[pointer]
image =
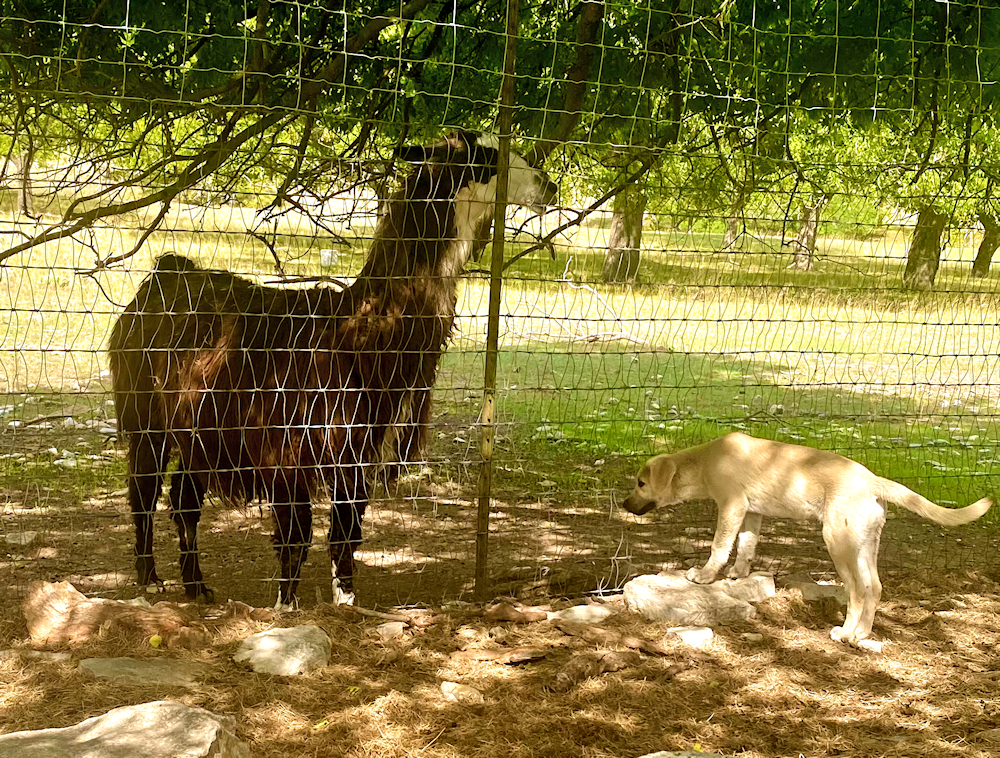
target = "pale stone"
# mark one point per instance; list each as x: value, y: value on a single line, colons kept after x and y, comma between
x: 461, y: 693
x: 583, y: 614
x: 167, y: 671
x: 670, y: 597
x: 695, y: 636
x: 20, y: 540
x: 756, y: 587
x: 286, y: 652
x: 812, y: 591
x: 390, y: 630
x: 752, y: 637
x: 161, y: 729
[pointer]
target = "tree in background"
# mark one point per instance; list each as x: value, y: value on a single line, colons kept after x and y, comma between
x: 144, y: 106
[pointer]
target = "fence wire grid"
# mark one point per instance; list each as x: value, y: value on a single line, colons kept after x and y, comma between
x: 772, y: 219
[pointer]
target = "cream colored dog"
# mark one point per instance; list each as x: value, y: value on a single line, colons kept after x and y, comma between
x: 749, y: 478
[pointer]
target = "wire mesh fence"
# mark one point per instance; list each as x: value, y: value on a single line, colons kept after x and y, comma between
x: 767, y: 222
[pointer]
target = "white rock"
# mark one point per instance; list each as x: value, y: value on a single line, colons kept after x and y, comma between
x: 593, y: 613
x: 157, y: 670
x: 21, y: 539
x: 462, y: 693
x: 752, y: 637
x: 812, y: 591
x: 695, y: 636
x: 390, y: 630
x: 286, y: 652
x: 161, y: 729
x: 672, y: 598
x: 756, y: 587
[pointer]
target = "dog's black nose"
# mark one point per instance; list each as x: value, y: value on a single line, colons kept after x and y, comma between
x: 638, y: 507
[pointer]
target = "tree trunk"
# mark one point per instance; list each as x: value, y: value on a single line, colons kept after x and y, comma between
x: 924, y: 255
x: 21, y: 170
x: 735, y: 223
x: 804, y: 244
x: 989, y: 245
x: 621, y: 263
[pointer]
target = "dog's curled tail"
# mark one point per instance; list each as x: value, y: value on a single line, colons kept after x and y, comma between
x: 894, y: 492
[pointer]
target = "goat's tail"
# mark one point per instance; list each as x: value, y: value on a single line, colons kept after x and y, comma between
x: 894, y: 492
x: 175, y: 262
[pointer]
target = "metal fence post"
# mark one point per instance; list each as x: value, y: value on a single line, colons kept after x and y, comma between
x: 487, y: 417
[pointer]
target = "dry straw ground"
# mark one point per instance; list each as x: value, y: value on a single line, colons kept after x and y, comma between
x: 932, y: 691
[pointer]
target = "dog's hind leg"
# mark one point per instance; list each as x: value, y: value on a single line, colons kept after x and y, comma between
x: 746, y: 546
x: 854, y: 550
x: 730, y: 520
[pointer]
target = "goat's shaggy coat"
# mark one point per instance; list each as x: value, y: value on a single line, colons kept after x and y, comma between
x: 289, y: 394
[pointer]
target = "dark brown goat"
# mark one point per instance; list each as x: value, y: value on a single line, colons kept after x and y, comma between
x: 289, y: 394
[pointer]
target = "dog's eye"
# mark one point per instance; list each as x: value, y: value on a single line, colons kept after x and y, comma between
x: 641, y: 484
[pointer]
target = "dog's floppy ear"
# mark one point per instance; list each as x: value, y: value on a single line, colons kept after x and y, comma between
x: 661, y: 473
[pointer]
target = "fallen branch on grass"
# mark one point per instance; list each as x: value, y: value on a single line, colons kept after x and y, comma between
x: 513, y: 611
x: 509, y: 656
x: 417, y: 618
x: 608, y: 638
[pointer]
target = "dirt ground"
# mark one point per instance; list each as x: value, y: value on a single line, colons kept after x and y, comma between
x: 933, y: 691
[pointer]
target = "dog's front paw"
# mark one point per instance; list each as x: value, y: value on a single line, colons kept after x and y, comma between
x: 839, y: 634
x: 700, y: 576
x: 738, y: 571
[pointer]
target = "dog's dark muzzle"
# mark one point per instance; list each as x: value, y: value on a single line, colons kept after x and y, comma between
x: 634, y: 505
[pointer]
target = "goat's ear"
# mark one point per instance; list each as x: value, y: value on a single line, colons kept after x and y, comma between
x: 413, y: 153
x: 421, y: 154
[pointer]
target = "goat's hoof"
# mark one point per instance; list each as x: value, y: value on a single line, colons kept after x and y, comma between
x: 280, y: 606
x: 342, y: 596
x: 198, y: 592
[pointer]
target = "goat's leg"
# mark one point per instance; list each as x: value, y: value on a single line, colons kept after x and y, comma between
x: 346, y: 512
x: 186, y: 497
x: 147, y: 458
x: 292, y: 537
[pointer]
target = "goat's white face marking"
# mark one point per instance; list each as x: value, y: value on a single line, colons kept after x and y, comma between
x: 525, y: 186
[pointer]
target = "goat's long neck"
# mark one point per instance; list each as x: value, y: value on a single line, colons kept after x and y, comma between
x: 420, y: 249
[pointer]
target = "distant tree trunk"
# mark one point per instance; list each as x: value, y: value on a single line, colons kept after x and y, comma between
x: 735, y: 222
x: 924, y: 255
x: 989, y: 245
x: 21, y: 166
x: 804, y: 244
x: 621, y: 263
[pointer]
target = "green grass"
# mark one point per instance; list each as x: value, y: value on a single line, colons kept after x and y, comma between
x: 840, y: 357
